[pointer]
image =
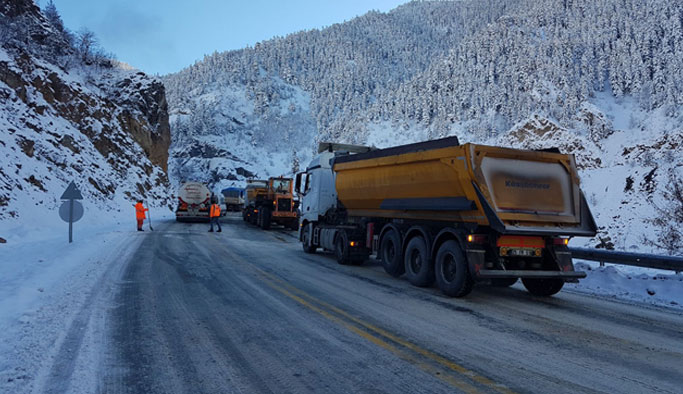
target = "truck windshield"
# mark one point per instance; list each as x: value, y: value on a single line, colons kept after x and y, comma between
x: 281, y: 185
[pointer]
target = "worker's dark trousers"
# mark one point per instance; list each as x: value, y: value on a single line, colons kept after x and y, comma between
x: 215, y: 220
x: 140, y: 223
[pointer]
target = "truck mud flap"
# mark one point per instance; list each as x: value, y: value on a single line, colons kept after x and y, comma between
x: 563, y: 258
x: 475, y: 261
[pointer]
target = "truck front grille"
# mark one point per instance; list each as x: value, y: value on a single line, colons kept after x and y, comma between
x: 284, y: 204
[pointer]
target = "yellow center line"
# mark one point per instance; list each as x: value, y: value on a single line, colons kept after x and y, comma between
x: 417, y: 349
x: 465, y: 387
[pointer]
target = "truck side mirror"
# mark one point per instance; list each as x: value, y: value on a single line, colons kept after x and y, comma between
x: 297, y: 184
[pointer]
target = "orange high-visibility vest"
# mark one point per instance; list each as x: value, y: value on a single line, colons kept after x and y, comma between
x: 140, y: 211
x: 215, y: 211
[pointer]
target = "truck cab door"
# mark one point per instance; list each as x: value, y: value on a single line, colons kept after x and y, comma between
x: 310, y: 191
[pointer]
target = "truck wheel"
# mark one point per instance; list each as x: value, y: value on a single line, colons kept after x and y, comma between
x: 390, y: 253
x: 419, y: 268
x: 543, y: 286
x: 265, y: 221
x: 305, y: 239
x: 451, y: 271
x: 341, y: 249
x: 503, y: 282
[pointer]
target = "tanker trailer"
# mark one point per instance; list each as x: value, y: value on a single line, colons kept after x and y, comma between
x: 193, y: 202
x: 442, y: 212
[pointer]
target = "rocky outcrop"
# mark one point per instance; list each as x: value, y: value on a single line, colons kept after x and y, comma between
x: 98, y: 123
x: 146, y: 115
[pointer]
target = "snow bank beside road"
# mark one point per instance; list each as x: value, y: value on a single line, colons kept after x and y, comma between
x: 46, y: 284
x: 642, y: 285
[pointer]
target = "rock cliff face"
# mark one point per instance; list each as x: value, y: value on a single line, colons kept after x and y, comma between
x: 101, y: 124
x: 145, y: 115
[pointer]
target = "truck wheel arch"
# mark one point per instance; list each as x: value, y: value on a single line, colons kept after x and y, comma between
x: 386, y: 229
x: 418, y: 231
x: 444, y: 235
x: 301, y: 232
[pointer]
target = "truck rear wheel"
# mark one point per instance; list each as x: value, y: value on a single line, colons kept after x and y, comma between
x: 451, y: 271
x: 306, y: 240
x: 390, y: 253
x: 419, y: 268
x: 543, y: 286
x: 341, y: 249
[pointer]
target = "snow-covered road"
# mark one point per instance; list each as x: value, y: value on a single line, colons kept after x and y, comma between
x: 181, y: 310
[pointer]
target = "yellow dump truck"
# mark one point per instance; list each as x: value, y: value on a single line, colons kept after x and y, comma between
x: 269, y: 202
x: 445, y: 212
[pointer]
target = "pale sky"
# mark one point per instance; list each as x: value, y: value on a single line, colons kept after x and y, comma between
x: 160, y: 37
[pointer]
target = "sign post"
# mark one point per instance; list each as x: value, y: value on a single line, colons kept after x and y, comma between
x: 71, y: 211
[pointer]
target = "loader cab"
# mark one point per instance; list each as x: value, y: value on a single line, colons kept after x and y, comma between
x: 316, y: 188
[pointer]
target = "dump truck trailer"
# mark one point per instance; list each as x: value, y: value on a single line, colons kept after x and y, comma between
x: 193, y: 202
x: 445, y: 212
x: 271, y: 202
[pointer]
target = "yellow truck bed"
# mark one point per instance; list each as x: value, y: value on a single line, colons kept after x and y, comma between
x: 510, y: 190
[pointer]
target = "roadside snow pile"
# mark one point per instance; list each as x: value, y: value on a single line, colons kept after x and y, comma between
x: 662, y: 288
x: 50, y: 289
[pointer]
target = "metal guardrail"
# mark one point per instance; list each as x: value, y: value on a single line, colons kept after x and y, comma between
x: 634, y: 259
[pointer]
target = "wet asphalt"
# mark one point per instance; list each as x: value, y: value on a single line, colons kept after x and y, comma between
x: 247, y: 311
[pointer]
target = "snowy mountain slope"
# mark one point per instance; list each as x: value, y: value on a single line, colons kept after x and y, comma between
x: 547, y: 58
x: 220, y: 136
x: 99, y: 124
x: 282, y: 95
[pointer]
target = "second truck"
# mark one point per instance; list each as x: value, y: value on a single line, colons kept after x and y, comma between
x: 271, y: 201
x: 193, y: 202
x: 450, y: 213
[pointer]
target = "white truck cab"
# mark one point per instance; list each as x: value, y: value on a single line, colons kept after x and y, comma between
x: 316, y: 185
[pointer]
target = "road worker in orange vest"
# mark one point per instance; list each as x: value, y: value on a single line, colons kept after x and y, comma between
x: 140, y: 214
x: 215, y: 214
